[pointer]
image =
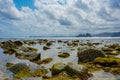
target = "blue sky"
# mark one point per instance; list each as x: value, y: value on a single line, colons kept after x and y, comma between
x: 58, y: 17
x: 20, y: 3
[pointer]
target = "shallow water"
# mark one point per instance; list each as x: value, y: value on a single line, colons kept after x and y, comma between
x: 54, y: 51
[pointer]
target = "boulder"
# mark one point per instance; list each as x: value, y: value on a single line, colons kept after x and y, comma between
x: 28, y: 53
x: 11, y: 45
x: 8, y: 45
x: 78, y: 70
x: 18, y: 67
x: 27, y: 49
x: 18, y: 43
x: 29, y: 56
x: 75, y: 68
x: 89, y: 55
x: 57, y: 68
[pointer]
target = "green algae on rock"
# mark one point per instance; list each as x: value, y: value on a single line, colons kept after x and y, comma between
x: 108, y: 62
x: 18, y: 67
x: 47, y: 60
x: 57, y: 68
x: 9, y: 51
x: 26, y: 73
x: 64, y: 55
x: 9, y: 64
x: 63, y: 76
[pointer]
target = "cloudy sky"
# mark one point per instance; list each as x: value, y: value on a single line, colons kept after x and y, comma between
x: 58, y: 17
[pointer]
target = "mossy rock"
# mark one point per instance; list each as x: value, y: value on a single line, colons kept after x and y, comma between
x: 64, y: 55
x: 45, y: 48
x: 18, y: 67
x: 24, y: 73
x: 63, y: 76
x: 57, y: 68
x: 27, y: 49
x: 108, y: 62
x: 9, y: 51
x: 39, y: 72
x: 29, y: 56
x: 47, y: 60
x: 106, y: 49
x: 113, y: 46
x: 18, y: 43
x: 89, y: 55
x: 9, y: 64
x: 8, y: 45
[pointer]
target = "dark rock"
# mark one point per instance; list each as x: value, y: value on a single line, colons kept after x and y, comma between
x: 8, y: 45
x: 89, y: 55
x: 9, y: 51
x: 29, y: 56
x: 45, y: 48
x: 48, y: 43
x: 18, y: 43
x: 18, y: 67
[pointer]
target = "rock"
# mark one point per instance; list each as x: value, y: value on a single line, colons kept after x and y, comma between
x: 63, y: 76
x: 9, y: 64
x: 18, y: 67
x: 47, y: 60
x: 57, y: 68
x: 18, y: 43
x: 89, y: 55
x: 28, y: 53
x: 29, y: 42
x: 78, y: 70
x: 27, y: 49
x: 39, y: 72
x: 48, y: 43
x: 8, y: 45
x: 113, y: 46
x: 108, y: 62
x: 4, y: 76
x: 11, y: 45
x: 9, y: 51
x: 28, y: 75
x: 29, y: 56
x: 45, y: 48
x: 75, y: 68
x: 64, y: 55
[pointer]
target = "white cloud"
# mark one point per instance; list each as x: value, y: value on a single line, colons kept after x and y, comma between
x: 63, y: 17
x: 8, y: 10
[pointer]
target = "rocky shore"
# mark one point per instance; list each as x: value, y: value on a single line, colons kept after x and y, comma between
x: 94, y: 60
